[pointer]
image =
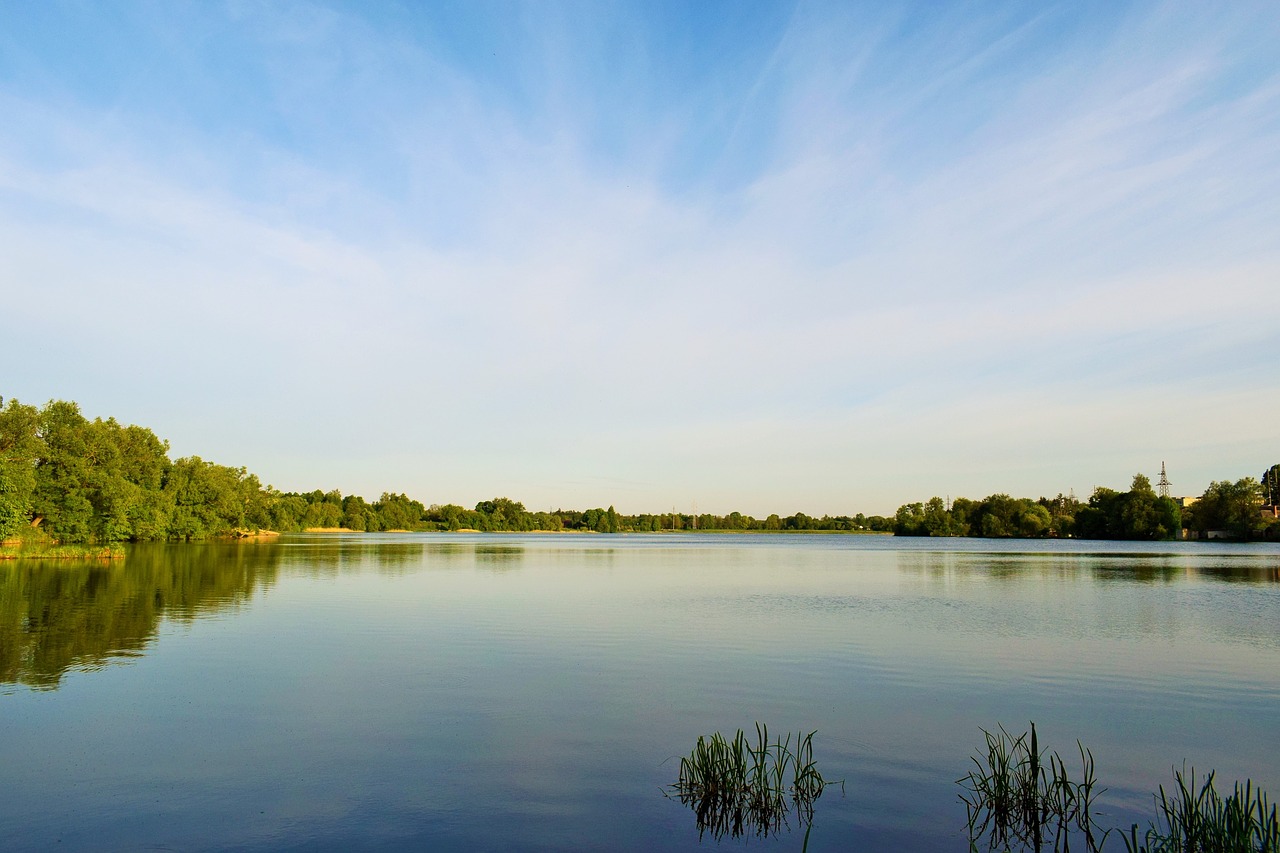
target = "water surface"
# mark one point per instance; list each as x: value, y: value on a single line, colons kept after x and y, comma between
x: 496, y: 692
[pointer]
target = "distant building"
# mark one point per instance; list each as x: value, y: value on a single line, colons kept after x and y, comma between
x: 1205, y: 534
x: 1186, y: 501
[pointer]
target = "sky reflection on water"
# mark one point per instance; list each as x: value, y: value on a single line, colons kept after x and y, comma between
x: 500, y: 692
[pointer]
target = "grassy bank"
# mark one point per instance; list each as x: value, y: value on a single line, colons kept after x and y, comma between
x: 26, y: 550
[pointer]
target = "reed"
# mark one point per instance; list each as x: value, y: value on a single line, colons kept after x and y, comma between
x: 1191, y: 819
x: 736, y: 788
x: 1019, y: 795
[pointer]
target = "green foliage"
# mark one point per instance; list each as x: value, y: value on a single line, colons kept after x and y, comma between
x: 1014, y: 796
x: 82, y: 481
x: 398, y: 512
x: 736, y: 789
x: 15, y: 501
x: 85, y: 481
x: 1234, y: 508
x: 358, y: 515
x: 1191, y: 820
x: 997, y: 516
x: 1270, y: 483
x: 20, y: 447
x: 1135, y: 514
x: 208, y: 499
x: 1015, y: 799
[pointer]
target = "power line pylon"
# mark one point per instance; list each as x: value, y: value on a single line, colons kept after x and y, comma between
x: 1164, y: 483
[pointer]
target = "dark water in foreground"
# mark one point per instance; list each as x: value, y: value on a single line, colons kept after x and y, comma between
x: 535, y: 692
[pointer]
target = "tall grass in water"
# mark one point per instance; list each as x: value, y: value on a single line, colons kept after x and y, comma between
x: 736, y: 788
x: 1191, y: 820
x: 1020, y: 795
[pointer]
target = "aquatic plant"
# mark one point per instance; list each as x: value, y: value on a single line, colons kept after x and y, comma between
x: 736, y: 788
x: 1191, y: 820
x: 1014, y: 796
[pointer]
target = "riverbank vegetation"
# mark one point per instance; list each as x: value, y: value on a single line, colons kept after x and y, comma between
x: 66, y: 480
x: 1228, y: 510
x: 32, y: 544
x: 736, y: 789
x: 1017, y: 796
x: 1022, y: 797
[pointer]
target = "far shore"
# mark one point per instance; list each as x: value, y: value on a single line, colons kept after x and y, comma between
x: 573, y: 532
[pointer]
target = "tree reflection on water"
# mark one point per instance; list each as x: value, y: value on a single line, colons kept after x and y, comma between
x: 58, y: 616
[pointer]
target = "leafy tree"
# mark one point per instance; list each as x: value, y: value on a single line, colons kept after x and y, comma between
x: 358, y: 515
x: 909, y: 520
x: 14, y: 503
x: 931, y: 518
x: 398, y: 512
x: 1270, y: 482
x: 1135, y: 514
x: 998, y: 516
x: 1062, y: 514
x: 61, y: 497
x: 20, y: 447
x: 1033, y: 520
x: 322, y: 514
x: 208, y: 499
x: 447, y: 517
x: 1231, y: 507
x: 283, y: 511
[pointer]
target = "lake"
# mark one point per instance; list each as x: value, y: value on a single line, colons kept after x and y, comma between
x: 524, y: 692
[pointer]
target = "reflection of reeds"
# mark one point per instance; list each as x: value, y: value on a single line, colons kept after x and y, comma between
x: 1201, y: 821
x: 1015, y: 796
x: 735, y: 788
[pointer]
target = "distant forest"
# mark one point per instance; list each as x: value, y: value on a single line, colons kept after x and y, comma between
x: 1240, y: 510
x: 77, y: 480
x: 74, y: 480
x: 1135, y: 514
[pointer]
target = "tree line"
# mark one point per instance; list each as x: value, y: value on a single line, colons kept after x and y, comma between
x: 70, y: 479
x: 1232, y: 509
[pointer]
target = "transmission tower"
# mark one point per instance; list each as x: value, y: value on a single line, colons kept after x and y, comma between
x: 1164, y: 483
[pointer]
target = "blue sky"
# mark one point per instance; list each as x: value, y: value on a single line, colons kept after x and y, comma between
x: 757, y: 256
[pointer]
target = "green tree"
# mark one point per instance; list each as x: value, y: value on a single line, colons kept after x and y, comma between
x: 909, y: 520
x: 358, y: 515
x: 998, y: 516
x: 1231, y: 507
x: 15, y: 503
x: 61, y: 498
x: 284, y: 511
x: 20, y: 448
x: 1033, y: 520
x: 208, y: 499
x: 399, y: 512
x: 1270, y: 482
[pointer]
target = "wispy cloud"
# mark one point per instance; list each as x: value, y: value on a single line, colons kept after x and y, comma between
x: 852, y: 261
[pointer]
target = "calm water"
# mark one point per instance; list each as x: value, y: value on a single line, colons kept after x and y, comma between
x: 535, y: 692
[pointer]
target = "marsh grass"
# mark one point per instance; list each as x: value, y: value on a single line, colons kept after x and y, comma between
x: 737, y: 788
x: 1201, y: 820
x: 1019, y: 795
x: 53, y: 551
